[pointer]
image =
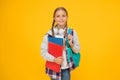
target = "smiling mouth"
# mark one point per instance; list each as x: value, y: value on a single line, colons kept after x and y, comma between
x: 61, y: 21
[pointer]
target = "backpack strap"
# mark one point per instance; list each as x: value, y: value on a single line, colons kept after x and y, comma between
x: 69, y: 31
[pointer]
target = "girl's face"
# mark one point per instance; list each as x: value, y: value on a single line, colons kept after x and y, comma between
x: 60, y: 18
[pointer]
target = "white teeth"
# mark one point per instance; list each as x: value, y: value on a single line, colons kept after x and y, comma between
x: 61, y: 21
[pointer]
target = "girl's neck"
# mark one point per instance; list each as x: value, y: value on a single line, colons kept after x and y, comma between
x: 60, y: 26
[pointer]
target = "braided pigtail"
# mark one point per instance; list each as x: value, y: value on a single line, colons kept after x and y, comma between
x: 53, y: 27
x: 65, y: 33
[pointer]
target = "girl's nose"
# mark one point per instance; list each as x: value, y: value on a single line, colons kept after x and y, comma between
x: 61, y: 17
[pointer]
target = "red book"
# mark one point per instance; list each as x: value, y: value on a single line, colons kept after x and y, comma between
x: 55, y: 48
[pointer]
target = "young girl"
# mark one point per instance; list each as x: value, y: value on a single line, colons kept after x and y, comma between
x: 59, y: 29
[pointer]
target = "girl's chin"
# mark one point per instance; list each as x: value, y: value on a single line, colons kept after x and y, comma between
x: 62, y: 24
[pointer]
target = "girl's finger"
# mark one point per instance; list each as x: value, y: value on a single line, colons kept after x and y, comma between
x: 60, y: 57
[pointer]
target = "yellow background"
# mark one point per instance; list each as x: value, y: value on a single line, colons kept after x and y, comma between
x: 23, y: 24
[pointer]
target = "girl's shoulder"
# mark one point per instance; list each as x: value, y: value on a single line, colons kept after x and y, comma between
x: 49, y: 32
x: 74, y: 32
x: 71, y: 29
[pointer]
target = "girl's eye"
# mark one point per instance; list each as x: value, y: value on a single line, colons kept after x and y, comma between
x: 58, y: 16
x: 63, y: 15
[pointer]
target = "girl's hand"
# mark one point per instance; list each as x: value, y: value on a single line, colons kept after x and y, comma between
x: 70, y: 39
x: 58, y: 60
